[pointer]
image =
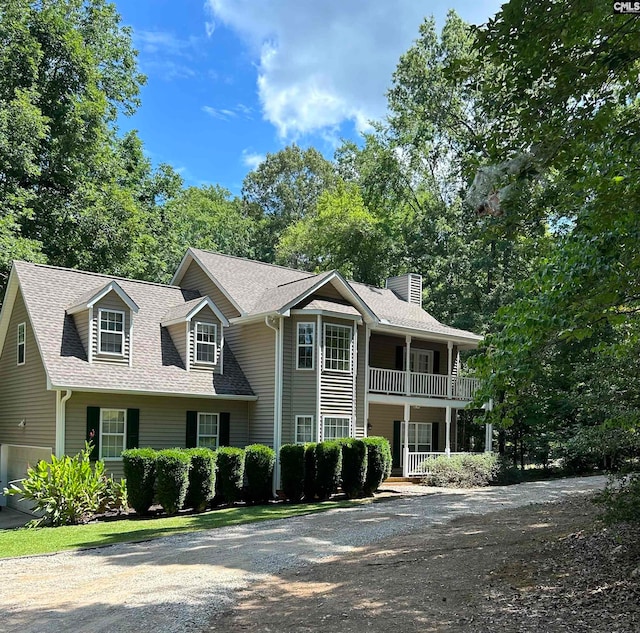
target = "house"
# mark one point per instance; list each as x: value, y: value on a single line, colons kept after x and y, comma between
x: 232, y: 352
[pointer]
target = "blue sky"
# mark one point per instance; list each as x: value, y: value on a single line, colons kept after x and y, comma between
x: 230, y: 80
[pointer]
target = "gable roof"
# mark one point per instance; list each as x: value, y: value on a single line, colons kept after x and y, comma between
x: 256, y: 287
x: 157, y: 365
x: 90, y: 298
x: 187, y: 310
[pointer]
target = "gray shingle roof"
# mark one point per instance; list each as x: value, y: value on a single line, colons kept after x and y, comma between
x: 259, y: 287
x: 330, y: 306
x: 181, y: 311
x: 157, y: 366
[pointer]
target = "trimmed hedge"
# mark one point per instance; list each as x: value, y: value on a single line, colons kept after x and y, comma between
x: 354, y: 467
x: 378, y: 463
x: 292, y: 471
x: 202, y: 478
x: 140, y: 473
x: 329, y: 467
x: 230, y: 474
x: 259, y: 461
x: 310, y: 471
x: 172, y: 478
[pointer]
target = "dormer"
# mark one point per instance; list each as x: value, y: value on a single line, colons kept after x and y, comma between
x: 104, y: 320
x: 196, y: 328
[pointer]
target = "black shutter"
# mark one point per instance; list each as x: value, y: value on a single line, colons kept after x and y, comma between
x: 400, y: 357
x: 192, y: 429
x: 93, y: 431
x: 435, y: 434
x: 396, y: 445
x: 436, y: 362
x: 133, y: 427
x: 225, y: 419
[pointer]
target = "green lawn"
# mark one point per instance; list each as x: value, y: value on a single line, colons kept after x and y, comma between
x: 25, y: 542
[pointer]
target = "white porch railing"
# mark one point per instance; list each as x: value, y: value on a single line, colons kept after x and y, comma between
x: 418, y: 463
x: 393, y: 382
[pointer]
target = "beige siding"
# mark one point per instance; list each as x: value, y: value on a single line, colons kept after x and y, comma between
x: 196, y: 279
x: 112, y: 302
x: 361, y: 382
x: 299, y: 386
x: 328, y: 291
x: 337, y: 389
x: 23, y: 389
x: 81, y: 320
x: 254, y: 348
x: 162, y: 419
x: 206, y: 315
x: 178, y: 333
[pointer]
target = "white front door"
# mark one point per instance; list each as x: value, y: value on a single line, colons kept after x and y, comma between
x: 421, y: 361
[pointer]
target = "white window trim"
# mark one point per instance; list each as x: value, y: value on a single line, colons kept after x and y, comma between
x: 312, y: 345
x: 417, y: 351
x: 336, y: 417
x: 217, y: 435
x: 313, y: 429
x: 413, y: 445
x: 215, y: 344
x: 21, y: 326
x: 124, y: 434
x: 324, y: 348
x: 124, y: 322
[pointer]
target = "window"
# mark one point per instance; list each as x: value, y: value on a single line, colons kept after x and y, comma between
x: 22, y: 343
x: 208, y: 430
x: 337, y: 347
x: 113, y: 424
x: 306, y: 344
x: 335, y: 428
x: 420, y: 434
x: 421, y: 361
x: 111, y: 332
x: 206, y: 348
x: 305, y: 429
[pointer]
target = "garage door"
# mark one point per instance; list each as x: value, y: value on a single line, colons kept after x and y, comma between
x: 18, y: 459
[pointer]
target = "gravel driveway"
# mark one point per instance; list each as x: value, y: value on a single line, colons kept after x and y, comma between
x: 176, y: 583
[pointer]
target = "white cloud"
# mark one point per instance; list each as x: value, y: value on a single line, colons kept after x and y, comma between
x: 225, y: 114
x: 251, y: 159
x: 209, y: 28
x: 321, y: 63
x: 165, y: 55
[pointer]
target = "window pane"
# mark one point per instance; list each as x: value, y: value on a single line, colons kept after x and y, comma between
x: 305, y: 345
x: 113, y: 431
x: 336, y: 428
x: 205, y: 334
x: 208, y: 430
x: 111, y: 343
x: 304, y: 429
x: 337, y: 343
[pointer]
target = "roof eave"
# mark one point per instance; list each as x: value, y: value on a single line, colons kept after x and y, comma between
x: 471, y: 341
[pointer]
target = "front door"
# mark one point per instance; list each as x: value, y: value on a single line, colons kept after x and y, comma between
x: 420, y: 438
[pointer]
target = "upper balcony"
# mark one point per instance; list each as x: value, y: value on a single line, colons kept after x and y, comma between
x: 394, y: 382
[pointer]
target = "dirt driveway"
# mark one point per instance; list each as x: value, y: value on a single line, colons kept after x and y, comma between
x: 184, y: 583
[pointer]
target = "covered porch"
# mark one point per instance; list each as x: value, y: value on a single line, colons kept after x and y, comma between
x: 419, y: 433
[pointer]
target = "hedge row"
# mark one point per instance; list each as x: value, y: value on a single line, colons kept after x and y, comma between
x: 197, y: 477
x: 316, y: 471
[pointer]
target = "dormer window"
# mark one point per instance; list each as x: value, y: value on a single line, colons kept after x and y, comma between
x: 111, y: 332
x: 205, y: 347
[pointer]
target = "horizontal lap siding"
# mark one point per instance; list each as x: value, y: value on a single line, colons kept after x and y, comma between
x: 196, y: 279
x: 111, y: 302
x: 253, y: 346
x: 299, y: 386
x: 178, y: 334
x: 81, y: 320
x: 162, y: 419
x: 23, y: 389
x: 205, y: 315
x: 361, y: 382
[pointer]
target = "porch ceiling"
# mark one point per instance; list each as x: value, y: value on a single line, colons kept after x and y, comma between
x: 415, y: 401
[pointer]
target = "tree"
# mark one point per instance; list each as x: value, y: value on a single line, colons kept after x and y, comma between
x: 283, y: 189
x: 67, y: 68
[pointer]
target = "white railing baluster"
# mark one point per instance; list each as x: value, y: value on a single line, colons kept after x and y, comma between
x: 393, y: 382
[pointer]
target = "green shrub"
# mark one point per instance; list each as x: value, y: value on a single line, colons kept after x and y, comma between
x: 462, y: 471
x: 202, y: 478
x: 354, y: 467
x: 621, y: 499
x: 172, y: 478
x: 581, y: 453
x: 607, y: 447
x: 378, y: 462
x: 310, y: 471
x: 140, y: 473
x: 329, y: 467
x: 292, y: 471
x: 506, y: 473
x: 116, y: 496
x: 259, y: 461
x: 66, y: 491
x: 230, y: 474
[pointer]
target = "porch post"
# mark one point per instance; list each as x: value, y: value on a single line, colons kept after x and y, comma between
x: 407, y: 367
x: 488, y: 432
x: 449, y: 369
x: 405, y: 450
x: 447, y: 434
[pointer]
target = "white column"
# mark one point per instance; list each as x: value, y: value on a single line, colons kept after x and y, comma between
x: 405, y: 451
x: 407, y: 365
x: 449, y: 369
x: 447, y: 432
x: 488, y: 431
x: 4, y: 456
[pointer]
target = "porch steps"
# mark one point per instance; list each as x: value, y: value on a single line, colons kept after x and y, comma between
x: 402, y: 480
